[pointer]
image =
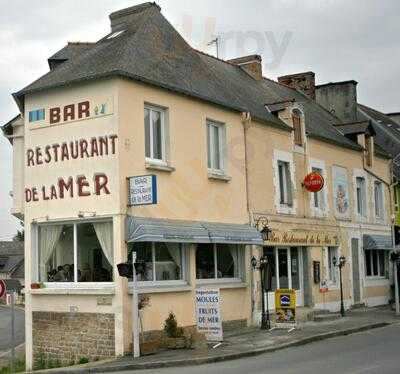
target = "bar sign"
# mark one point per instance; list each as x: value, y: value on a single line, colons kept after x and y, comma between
x: 142, y: 190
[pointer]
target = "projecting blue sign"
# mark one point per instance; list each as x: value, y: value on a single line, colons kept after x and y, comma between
x: 143, y: 190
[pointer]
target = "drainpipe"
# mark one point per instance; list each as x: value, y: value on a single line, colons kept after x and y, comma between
x: 246, y: 120
x: 392, y: 220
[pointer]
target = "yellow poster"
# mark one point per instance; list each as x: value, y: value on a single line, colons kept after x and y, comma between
x: 285, y: 306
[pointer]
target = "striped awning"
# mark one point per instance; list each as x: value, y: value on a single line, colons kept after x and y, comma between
x: 144, y: 229
x: 378, y: 242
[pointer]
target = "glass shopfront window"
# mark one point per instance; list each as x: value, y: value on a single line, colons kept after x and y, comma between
x: 158, y: 262
x: 77, y: 252
x: 217, y: 261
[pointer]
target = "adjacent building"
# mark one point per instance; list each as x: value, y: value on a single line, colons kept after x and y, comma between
x: 229, y: 149
x: 12, y: 261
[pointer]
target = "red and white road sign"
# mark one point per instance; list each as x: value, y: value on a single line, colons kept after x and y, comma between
x: 2, y: 288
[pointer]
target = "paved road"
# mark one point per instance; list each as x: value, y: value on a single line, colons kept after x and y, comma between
x: 5, y: 328
x: 372, y: 352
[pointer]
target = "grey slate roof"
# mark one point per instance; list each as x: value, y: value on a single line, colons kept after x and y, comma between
x: 362, y: 127
x: 11, y: 255
x: 7, y: 128
x: 151, y: 51
x: 70, y: 52
x: 387, y: 132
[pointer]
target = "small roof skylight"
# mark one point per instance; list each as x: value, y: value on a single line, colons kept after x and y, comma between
x: 115, y: 34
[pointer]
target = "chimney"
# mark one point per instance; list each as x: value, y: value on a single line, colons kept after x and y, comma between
x: 252, y: 65
x: 122, y: 18
x: 339, y: 98
x: 303, y: 82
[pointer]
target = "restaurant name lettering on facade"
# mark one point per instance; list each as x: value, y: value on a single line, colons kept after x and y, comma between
x: 85, y: 109
x: 71, y: 186
x: 302, y: 238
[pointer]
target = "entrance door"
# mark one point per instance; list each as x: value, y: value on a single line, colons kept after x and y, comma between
x: 287, y: 272
x: 355, y: 257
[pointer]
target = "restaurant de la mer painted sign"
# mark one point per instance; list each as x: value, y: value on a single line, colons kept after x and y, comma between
x: 71, y: 186
x: 143, y: 190
x: 208, y: 314
x: 302, y: 238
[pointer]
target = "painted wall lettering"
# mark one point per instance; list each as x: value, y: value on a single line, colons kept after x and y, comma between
x: 82, y: 148
x: 70, y: 187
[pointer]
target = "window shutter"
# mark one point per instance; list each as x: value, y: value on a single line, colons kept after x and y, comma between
x: 298, y: 138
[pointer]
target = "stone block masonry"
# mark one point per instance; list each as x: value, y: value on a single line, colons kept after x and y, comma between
x: 68, y: 337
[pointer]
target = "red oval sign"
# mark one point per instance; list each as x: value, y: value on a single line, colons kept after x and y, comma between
x: 2, y: 288
x: 314, y: 182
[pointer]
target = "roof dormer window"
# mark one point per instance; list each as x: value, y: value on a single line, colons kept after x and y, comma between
x: 115, y: 34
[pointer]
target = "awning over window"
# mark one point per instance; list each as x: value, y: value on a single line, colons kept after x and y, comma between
x: 140, y: 229
x: 377, y: 242
x: 233, y: 233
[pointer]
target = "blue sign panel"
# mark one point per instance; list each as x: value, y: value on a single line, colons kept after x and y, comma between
x: 143, y: 190
x: 285, y: 300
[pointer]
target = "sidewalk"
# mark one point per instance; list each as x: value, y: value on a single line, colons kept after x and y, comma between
x: 245, y: 343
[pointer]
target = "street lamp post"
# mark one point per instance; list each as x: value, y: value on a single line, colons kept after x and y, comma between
x: 262, y: 266
x: 340, y: 264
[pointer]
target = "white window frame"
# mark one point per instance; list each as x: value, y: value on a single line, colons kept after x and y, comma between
x: 332, y: 283
x: 319, y: 211
x: 221, y: 146
x: 358, y: 173
x: 284, y: 157
x: 241, y: 252
x: 386, y: 268
x: 177, y: 282
x: 75, y: 284
x: 164, y: 135
x: 381, y: 216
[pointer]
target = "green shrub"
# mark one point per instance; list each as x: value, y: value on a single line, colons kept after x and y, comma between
x: 171, y: 328
x: 83, y: 360
x: 19, y: 367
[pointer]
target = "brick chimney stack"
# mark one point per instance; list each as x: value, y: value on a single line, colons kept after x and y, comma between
x: 252, y: 65
x: 303, y: 82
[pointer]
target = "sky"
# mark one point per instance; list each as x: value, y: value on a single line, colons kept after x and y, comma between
x: 336, y: 39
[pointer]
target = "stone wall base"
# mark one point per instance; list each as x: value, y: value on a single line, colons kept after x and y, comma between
x: 66, y: 338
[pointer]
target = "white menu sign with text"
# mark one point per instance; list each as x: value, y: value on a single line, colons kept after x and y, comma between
x: 208, y: 314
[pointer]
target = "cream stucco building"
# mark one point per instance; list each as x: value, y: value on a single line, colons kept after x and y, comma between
x: 229, y: 149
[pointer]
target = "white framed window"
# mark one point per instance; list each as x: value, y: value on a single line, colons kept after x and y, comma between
x: 216, y: 144
x: 155, y: 134
x: 219, y: 262
x: 285, y: 183
x: 361, y: 198
x: 332, y: 271
x: 159, y: 262
x: 284, y: 177
x: 75, y: 252
x: 378, y: 199
x: 376, y: 263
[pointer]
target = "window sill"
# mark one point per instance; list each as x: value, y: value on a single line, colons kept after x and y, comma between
x: 220, y: 284
x: 160, y: 288
x: 376, y: 282
x: 217, y: 176
x: 159, y: 167
x: 299, y: 149
x: 285, y: 209
x: 73, y: 290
